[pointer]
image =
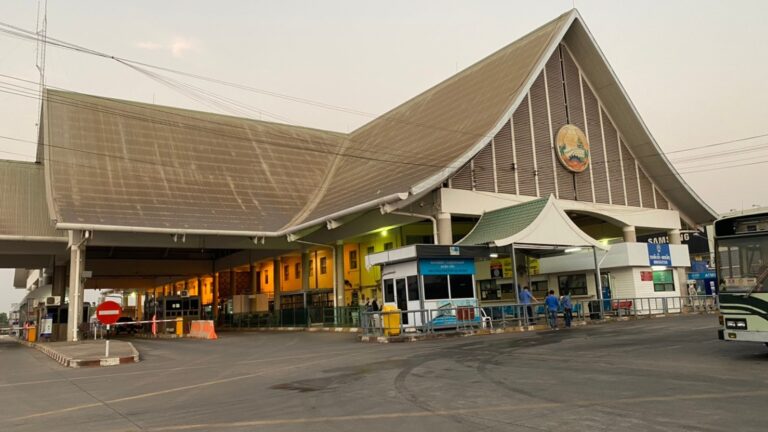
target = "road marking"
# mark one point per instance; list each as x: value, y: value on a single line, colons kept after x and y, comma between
x: 173, y: 390
x: 452, y: 412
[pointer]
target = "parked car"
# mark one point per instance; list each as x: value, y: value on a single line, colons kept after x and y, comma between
x: 127, y: 326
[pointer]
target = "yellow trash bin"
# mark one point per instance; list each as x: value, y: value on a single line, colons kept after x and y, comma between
x: 32, y: 334
x: 391, y: 316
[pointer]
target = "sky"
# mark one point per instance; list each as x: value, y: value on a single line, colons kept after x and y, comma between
x: 693, y: 69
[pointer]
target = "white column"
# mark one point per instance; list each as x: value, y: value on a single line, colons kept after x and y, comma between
x: 75, y: 295
x: 682, y: 274
x: 444, y: 229
x: 630, y: 236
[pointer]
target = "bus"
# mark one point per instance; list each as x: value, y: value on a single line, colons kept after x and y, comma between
x: 741, y: 243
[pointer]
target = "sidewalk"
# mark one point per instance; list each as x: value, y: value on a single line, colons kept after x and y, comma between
x: 88, y: 353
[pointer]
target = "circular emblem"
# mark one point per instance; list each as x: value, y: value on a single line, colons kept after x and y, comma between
x: 572, y: 148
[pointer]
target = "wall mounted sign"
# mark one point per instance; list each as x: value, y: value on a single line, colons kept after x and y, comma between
x: 572, y: 148
x: 646, y: 276
x: 658, y: 254
x: 446, y: 267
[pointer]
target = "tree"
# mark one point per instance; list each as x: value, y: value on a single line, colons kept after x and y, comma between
x: 3, y: 318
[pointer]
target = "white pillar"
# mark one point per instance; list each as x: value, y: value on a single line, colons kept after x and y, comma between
x: 629, y: 234
x: 444, y: 229
x: 75, y: 295
x: 682, y: 274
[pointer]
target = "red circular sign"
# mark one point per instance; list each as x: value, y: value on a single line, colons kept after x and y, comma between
x: 108, y: 312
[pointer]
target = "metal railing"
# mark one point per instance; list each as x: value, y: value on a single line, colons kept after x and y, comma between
x: 523, y: 316
x: 347, y: 316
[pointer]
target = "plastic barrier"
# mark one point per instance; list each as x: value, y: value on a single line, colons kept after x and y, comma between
x: 202, y: 330
x: 391, y: 317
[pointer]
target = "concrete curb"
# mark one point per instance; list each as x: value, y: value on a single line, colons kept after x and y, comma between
x: 67, y: 361
x: 293, y: 329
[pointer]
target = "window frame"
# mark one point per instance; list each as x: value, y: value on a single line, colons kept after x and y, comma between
x: 572, y: 290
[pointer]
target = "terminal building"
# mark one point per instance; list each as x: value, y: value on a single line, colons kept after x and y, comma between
x: 205, y: 215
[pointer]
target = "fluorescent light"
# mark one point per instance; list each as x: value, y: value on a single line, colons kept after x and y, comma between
x: 493, y: 255
x: 384, y: 233
x: 658, y: 268
x: 571, y: 250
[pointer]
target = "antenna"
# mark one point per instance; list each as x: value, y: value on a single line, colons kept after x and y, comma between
x: 42, y: 43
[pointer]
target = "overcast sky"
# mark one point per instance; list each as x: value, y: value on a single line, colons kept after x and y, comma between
x: 695, y: 70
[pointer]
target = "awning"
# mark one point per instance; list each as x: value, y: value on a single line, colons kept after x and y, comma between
x: 539, y: 222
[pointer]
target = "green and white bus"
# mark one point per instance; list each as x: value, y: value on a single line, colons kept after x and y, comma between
x: 741, y: 243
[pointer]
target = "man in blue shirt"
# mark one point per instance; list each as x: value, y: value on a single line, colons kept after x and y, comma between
x: 526, y: 298
x: 565, y: 301
x: 552, y: 305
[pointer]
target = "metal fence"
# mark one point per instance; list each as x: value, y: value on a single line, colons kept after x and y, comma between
x: 297, y: 317
x: 502, y: 316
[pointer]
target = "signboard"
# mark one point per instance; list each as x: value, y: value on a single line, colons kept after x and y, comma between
x: 454, y: 250
x: 533, y: 266
x: 663, y: 277
x: 108, y: 312
x: 572, y: 148
x: 46, y: 325
x: 702, y: 275
x: 658, y: 254
x: 646, y: 276
x: 446, y: 267
x: 501, y: 268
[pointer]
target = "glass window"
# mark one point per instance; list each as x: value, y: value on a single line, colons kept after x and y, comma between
x: 323, y: 265
x: 286, y: 271
x: 266, y: 276
x: 353, y: 260
x: 435, y: 287
x: 413, y: 288
x: 742, y: 262
x: 370, y: 250
x: 462, y: 287
x: 540, y: 289
x: 297, y: 270
x: 388, y: 246
x: 663, y: 281
x: 389, y: 291
x: 575, y: 284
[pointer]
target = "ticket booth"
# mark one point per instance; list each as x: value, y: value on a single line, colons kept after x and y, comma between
x: 429, y: 282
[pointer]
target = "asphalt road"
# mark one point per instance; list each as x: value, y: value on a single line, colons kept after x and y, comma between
x: 667, y: 374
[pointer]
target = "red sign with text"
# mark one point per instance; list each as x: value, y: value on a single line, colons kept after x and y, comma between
x: 108, y: 312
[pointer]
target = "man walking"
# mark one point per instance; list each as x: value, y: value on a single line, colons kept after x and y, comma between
x: 526, y: 298
x: 565, y: 301
x: 552, y: 305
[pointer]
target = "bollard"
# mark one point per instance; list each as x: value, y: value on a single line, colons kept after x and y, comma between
x: 179, y: 326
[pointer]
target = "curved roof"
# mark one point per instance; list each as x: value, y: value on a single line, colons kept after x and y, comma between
x: 122, y: 165
x: 23, y: 210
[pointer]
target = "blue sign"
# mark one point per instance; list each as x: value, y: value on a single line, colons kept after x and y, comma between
x: 702, y: 275
x: 658, y: 254
x: 446, y: 267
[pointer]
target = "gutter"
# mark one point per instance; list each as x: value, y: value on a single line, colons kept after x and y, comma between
x: 233, y: 233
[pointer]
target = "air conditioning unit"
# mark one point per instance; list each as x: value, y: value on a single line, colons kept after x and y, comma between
x: 53, y: 301
x: 185, y: 293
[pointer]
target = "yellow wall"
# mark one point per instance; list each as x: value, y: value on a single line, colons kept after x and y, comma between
x: 267, y: 275
x: 318, y: 279
x: 292, y: 283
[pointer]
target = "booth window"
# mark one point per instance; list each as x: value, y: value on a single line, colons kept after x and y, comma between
x: 389, y: 291
x: 323, y: 265
x: 663, y: 281
x: 461, y: 286
x: 353, y: 260
x: 435, y: 287
x: 413, y: 288
x: 388, y: 246
x: 575, y: 284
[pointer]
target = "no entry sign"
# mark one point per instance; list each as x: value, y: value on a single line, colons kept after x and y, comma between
x: 108, y: 312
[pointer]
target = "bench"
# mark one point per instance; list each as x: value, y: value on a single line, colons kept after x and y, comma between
x: 622, y: 305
